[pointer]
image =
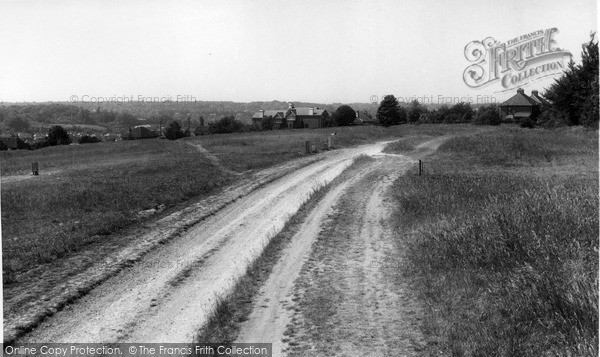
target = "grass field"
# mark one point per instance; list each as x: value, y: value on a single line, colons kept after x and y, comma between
x: 92, y: 191
x: 256, y: 150
x: 501, y: 241
x: 86, y: 192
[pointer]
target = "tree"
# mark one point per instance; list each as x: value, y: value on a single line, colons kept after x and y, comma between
x: 387, y: 113
x: 344, y: 116
x: 57, y: 135
x: 487, y: 115
x: 173, y: 131
x: 225, y: 125
x: 105, y: 117
x: 415, y: 110
x: 127, y: 119
x: 267, y: 123
x: 463, y: 112
x: 16, y: 123
x: 574, y: 96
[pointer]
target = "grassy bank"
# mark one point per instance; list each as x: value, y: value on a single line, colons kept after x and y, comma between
x: 501, y: 238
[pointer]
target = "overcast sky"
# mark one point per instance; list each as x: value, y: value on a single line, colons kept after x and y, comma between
x: 315, y: 50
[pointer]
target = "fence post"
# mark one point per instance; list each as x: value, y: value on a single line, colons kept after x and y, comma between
x: 329, y: 142
x: 307, y: 144
x: 420, y: 167
x: 34, y: 169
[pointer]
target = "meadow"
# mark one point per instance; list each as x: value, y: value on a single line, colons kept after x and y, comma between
x: 256, y: 150
x: 85, y: 193
x: 500, y: 241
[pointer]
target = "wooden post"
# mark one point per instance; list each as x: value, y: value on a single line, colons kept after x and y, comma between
x: 307, y: 144
x: 420, y: 167
x: 329, y: 142
x: 34, y: 169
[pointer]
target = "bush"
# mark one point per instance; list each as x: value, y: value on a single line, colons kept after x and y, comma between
x: 415, y: 111
x: 344, y: 116
x: 267, y: 123
x: 88, y: 139
x: 527, y: 122
x: 200, y: 130
x: 226, y: 125
x: 57, y: 135
x: 173, y: 131
x: 487, y: 115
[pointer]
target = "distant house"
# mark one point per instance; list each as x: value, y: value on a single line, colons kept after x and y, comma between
x: 140, y: 132
x: 363, y: 118
x: 293, y: 117
x: 521, y: 106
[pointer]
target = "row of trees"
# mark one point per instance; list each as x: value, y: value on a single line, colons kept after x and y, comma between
x: 573, y: 98
x: 390, y: 112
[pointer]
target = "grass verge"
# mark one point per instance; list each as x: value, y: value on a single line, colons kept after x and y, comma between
x: 501, y: 241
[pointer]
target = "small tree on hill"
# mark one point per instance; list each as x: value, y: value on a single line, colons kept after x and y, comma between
x: 173, y: 131
x: 57, y: 135
x: 344, y: 115
x: 387, y: 113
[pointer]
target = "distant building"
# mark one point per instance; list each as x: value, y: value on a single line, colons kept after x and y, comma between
x: 363, y: 118
x: 293, y: 117
x: 521, y: 106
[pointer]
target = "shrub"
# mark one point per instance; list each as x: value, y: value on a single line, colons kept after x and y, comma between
x: 173, y: 131
x: 88, y: 139
x: 487, y: 115
x: 344, y: 115
x: 225, y: 125
x: 57, y: 135
x: 267, y: 123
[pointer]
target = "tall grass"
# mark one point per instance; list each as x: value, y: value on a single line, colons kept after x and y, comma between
x: 46, y: 217
x: 504, y: 251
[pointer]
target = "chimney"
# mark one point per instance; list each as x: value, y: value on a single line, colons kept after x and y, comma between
x: 520, y: 90
x: 290, y: 105
x: 311, y: 111
x: 262, y: 113
x: 534, y: 93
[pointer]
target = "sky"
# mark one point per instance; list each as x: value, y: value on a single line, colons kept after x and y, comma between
x: 321, y: 51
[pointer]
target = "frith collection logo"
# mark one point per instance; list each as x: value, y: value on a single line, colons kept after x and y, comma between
x: 514, y: 63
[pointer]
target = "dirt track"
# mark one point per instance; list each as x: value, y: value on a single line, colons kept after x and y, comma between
x: 168, y: 295
x: 170, y: 292
x: 340, y: 267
